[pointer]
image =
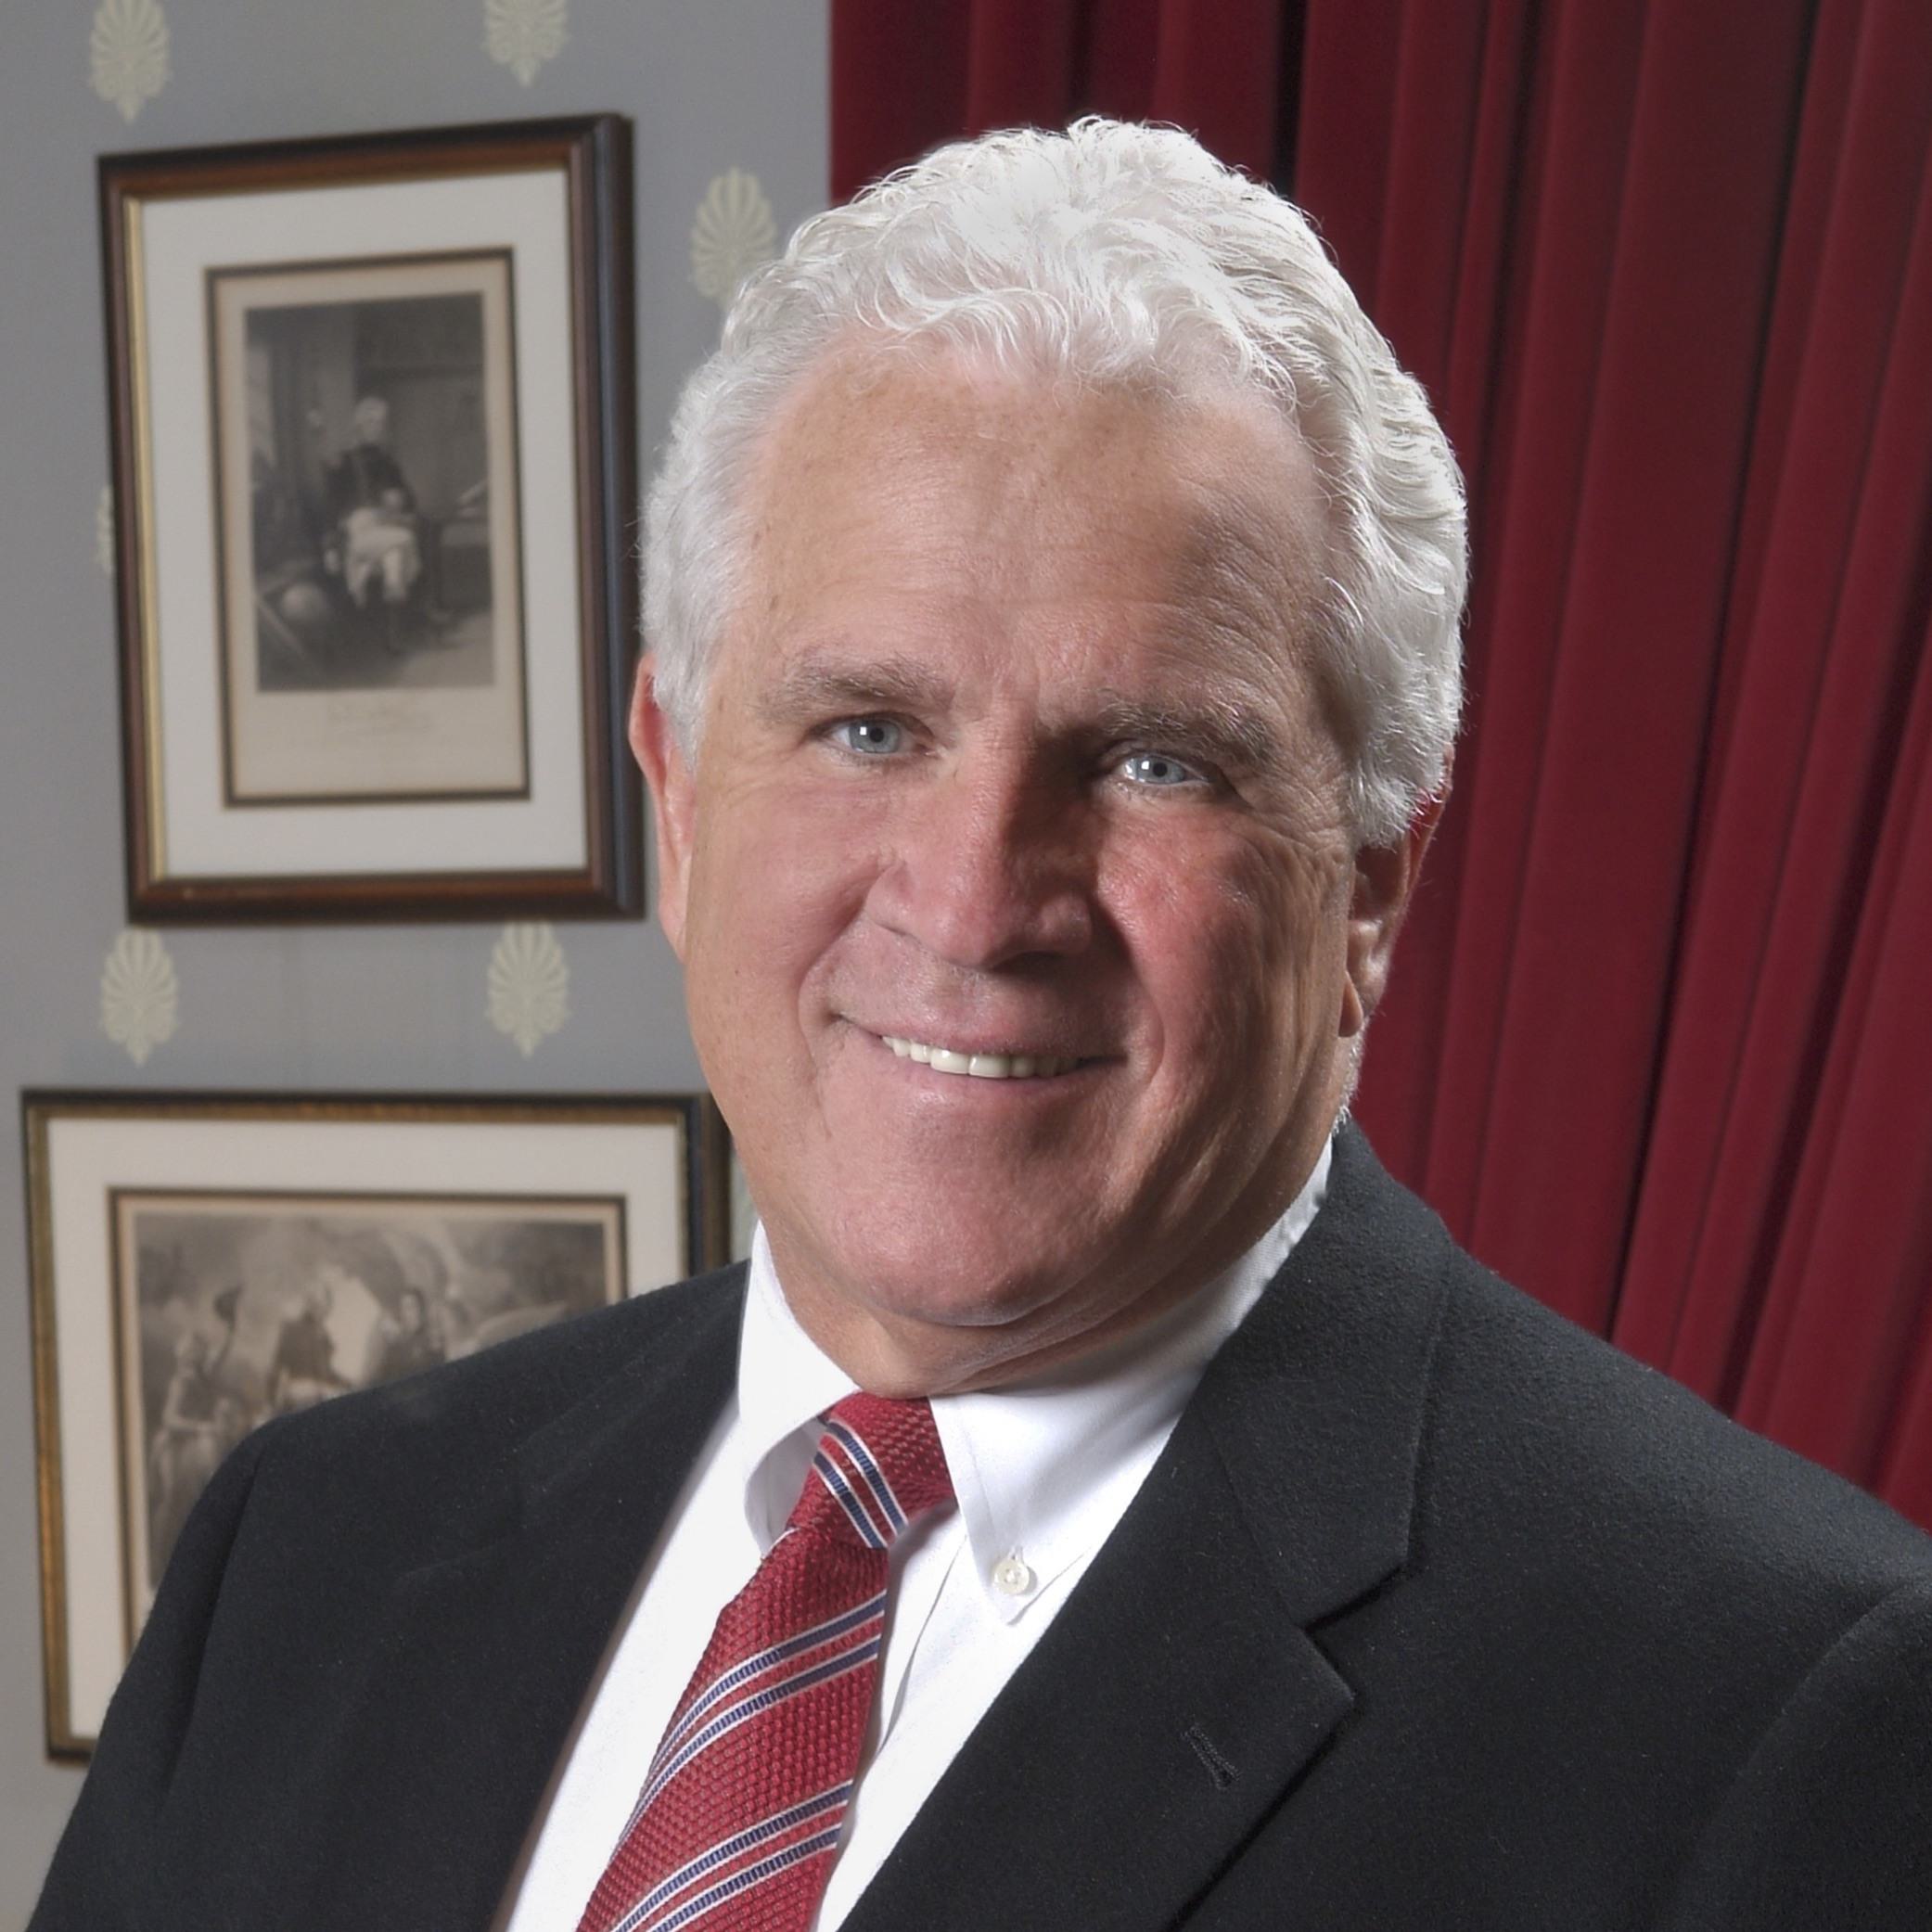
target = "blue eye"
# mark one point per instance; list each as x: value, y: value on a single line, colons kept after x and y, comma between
x: 1156, y: 771
x: 870, y: 738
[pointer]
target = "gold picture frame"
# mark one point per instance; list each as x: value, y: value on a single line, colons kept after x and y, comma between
x: 373, y: 420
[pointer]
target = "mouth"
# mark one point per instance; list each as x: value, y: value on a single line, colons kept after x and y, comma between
x: 982, y: 1066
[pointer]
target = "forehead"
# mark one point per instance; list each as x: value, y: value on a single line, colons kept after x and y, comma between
x: 929, y: 481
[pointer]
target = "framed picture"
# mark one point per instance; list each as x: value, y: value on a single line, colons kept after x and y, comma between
x: 375, y: 464
x: 202, y: 1263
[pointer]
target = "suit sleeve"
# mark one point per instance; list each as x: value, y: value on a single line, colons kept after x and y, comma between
x: 1830, y: 1821
x: 102, y: 1872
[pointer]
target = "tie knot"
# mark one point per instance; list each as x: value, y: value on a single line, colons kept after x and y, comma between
x: 878, y: 1465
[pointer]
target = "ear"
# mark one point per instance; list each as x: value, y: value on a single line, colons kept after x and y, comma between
x: 674, y: 802
x: 1385, y: 877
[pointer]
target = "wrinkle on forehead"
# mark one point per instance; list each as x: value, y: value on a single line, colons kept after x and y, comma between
x: 933, y: 477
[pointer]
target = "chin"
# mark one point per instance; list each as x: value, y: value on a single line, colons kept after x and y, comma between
x: 946, y: 1285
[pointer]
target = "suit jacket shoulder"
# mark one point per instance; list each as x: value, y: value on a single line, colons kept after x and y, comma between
x: 1601, y: 1463
x: 457, y: 1440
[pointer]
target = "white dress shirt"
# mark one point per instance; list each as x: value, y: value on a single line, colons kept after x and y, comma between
x: 1042, y: 1470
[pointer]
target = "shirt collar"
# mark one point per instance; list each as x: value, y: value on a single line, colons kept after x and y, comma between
x: 1043, y: 1470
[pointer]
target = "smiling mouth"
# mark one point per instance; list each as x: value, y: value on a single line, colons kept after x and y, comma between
x: 944, y: 1059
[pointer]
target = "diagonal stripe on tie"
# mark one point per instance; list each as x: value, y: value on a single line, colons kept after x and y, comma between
x: 751, y: 1668
x: 861, y: 1461
x: 870, y: 1532
x: 813, y: 1810
x: 743, y: 1881
x: 762, y: 1703
x: 740, y: 1811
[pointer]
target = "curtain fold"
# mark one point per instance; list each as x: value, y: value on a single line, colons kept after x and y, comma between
x: 1822, y: 645
x: 906, y: 78
x: 1657, y: 1045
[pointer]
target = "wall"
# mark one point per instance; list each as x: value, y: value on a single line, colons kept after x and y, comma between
x: 709, y: 84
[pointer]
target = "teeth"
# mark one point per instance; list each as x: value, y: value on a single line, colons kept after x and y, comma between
x: 943, y: 1059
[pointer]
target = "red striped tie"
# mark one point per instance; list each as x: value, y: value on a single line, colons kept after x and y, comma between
x: 739, y: 1821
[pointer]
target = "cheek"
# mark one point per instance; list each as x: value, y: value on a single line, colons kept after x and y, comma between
x: 776, y: 877
x: 1238, y: 947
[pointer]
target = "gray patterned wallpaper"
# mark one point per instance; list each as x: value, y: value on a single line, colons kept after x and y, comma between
x: 728, y: 100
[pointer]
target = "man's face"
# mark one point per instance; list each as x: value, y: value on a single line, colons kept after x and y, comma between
x: 1012, y: 751
x: 371, y: 420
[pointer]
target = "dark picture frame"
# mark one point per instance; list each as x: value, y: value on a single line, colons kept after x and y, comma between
x: 200, y: 1262
x: 373, y: 424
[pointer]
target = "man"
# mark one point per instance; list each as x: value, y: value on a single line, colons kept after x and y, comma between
x: 1053, y: 598
x: 302, y: 1371
x: 407, y: 1342
x: 374, y: 546
x: 193, y: 1435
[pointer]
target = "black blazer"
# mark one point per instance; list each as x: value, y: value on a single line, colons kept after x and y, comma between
x: 1435, y: 1613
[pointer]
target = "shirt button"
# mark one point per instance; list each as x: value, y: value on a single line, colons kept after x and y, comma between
x: 1011, y: 1577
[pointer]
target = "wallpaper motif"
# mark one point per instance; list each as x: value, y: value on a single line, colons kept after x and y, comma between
x: 523, y: 34
x: 139, y: 995
x: 529, y: 984
x: 733, y: 233
x: 127, y: 53
x: 104, y: 530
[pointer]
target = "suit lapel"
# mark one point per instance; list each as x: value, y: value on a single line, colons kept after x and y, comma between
x: 492, y: 1648
x: 1180, y: 1692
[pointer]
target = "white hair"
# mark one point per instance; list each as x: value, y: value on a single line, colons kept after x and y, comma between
x: 1113, y: 253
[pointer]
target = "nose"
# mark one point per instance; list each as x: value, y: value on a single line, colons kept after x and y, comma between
x: 987, y: 867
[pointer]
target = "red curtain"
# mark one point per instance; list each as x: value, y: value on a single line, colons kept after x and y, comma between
x: 907, y: 77
x: 1659, y: 1045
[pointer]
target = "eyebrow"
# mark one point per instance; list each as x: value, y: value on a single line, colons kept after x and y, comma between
x: 814, y: 684
x: 1221, y: 731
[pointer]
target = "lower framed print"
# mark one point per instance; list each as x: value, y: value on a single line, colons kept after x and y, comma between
x: 202, y: 1263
